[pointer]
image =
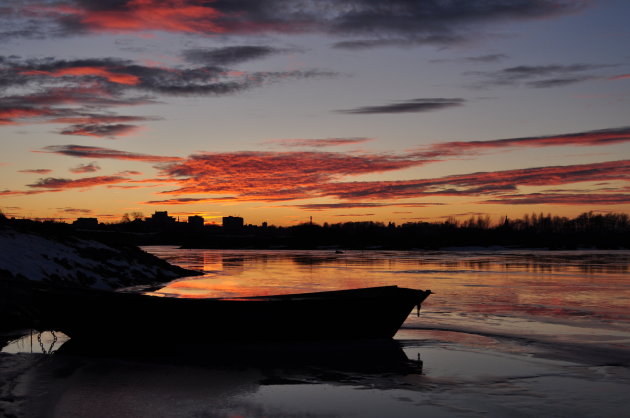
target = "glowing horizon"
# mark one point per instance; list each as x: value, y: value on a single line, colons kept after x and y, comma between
x: 261, y: 110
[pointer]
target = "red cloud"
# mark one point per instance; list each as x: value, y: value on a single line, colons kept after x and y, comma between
x: 589, y: 199
x: 104, y: 72
x: 274, y: 176
x: 7, y: 192
x: 8, y: 115
x: 620, y: 77
x: 83, y: 151
x: 484, y: 183
x: 144, y: 15
x: 93, y: 95
x: 584, y: 139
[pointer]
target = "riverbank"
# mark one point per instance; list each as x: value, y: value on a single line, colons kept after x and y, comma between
x: 57, y: 254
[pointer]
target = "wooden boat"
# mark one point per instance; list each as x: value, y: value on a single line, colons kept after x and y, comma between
x: 369, y: 313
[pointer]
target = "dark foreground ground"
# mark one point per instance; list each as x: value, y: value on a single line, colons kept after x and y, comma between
x: 421, y: 373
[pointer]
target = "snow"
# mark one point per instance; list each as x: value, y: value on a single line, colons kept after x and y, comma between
x: 88, y: 263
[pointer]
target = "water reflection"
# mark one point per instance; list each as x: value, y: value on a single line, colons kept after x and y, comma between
x: 218, y: 381
x: 531, y: 292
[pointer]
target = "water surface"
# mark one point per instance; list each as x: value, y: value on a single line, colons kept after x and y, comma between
x: 562, y: 296
x: 507, y: 333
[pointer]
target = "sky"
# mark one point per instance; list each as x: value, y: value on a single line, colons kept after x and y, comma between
x: 340, y: 110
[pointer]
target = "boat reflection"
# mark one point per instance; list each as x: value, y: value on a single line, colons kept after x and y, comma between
x: 163, y: 378
x: 366, y: 356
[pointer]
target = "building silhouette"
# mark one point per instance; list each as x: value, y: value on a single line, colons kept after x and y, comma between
x: 195, y: 221
x: 233, y: 223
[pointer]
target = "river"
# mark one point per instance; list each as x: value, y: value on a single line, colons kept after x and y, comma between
x: 506, y: 333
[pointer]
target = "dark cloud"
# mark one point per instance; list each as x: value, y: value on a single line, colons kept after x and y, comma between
x: 489, y: 58
x: 318, y: 143
x: 78, y: 92
x: 75, y: 211
x: 83, y: 151
x: 59, y: 183
x: 537, y: 76
x: 407, y: 106
x: 373, y: 22
x: 229, y: 55
x: 36, y: 171
x: 557, y: 82
x: 103, y: 130
x: 115, y: 76
x: 416, y: 40
x: 85, y: 168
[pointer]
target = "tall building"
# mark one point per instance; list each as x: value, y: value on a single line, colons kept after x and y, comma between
x: 233, y: 223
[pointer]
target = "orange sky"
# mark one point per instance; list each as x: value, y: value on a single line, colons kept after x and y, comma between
x: 338, y: 110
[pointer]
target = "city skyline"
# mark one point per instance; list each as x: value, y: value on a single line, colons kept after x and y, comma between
x: 280, y: 110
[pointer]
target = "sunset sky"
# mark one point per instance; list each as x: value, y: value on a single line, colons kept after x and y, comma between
x: 343, y: 110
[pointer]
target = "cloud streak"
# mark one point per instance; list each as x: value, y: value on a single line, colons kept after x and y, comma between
x: 601, y: 137
x: 359, y: 205
x: 483, y: 183
x: 230, y: 55
x: 537, y: 76
x: 318, y: 143
x: 587, y: 199
x: 85, y: 168
x: 87, y: 182
x: 100, y: 130
x: 83, y: 151
x: 407, y: 106
x: 36, y: 171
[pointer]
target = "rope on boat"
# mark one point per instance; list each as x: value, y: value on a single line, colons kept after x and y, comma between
x: 41, y: 344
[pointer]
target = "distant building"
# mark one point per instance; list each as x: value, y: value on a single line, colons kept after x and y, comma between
x: 161, y: 218
x: 195, y: 221
x: 233, y: 223
x: 86, y: 223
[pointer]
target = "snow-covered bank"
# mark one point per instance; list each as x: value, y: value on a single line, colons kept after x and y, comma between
x: 56, y: 253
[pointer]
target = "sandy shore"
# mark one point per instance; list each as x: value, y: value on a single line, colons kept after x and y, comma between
x: 459, y: 375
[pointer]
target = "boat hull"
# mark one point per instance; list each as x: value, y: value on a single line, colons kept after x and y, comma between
x: 371, y: 313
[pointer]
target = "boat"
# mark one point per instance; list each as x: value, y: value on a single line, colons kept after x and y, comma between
x: 367, y: 313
